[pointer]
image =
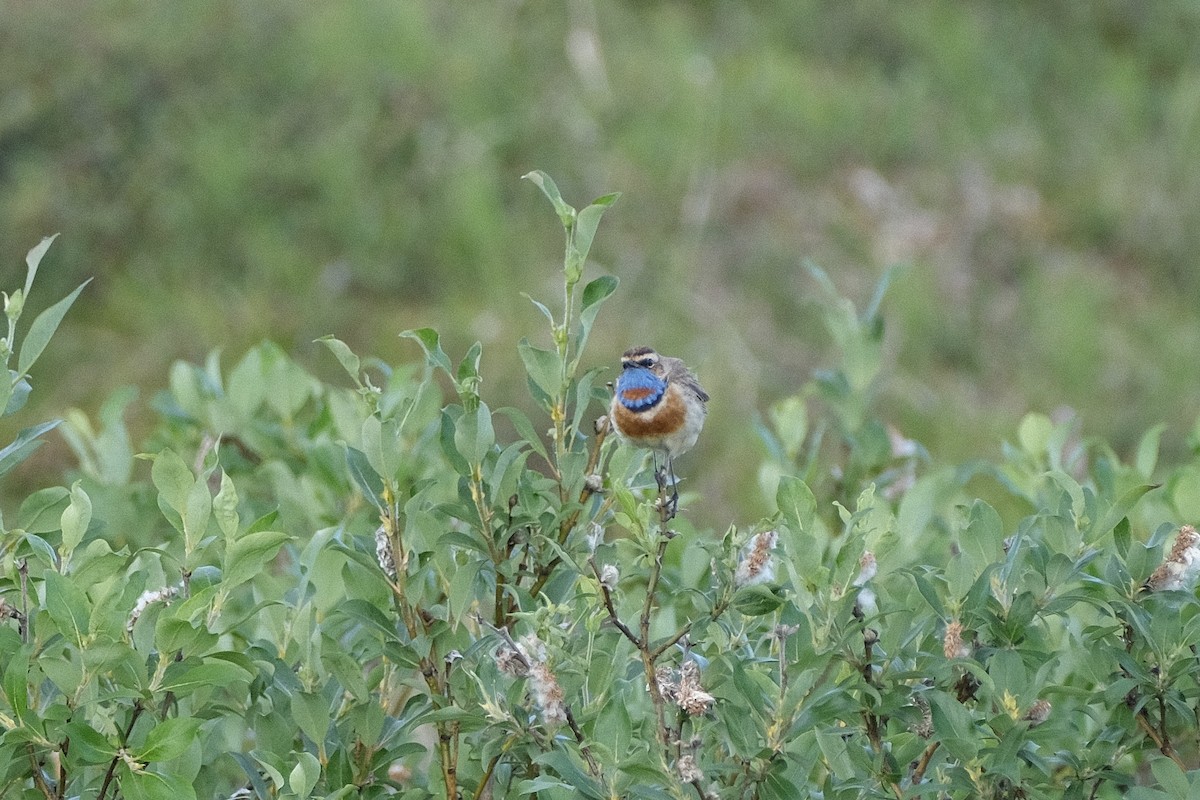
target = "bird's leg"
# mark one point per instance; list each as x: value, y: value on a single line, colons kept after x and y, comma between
x: 673, y: 502
x: 660, y: 472
x: 664, y: 478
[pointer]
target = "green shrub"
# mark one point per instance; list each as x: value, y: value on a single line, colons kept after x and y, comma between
x: 362, y: 590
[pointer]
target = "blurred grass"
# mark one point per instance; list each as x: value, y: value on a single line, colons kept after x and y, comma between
x: 238, y: 170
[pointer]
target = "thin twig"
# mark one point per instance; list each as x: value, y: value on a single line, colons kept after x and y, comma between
x: 23, y: 622
x: 138, y: 708
x: 545, y: 571
x: 1164, y: 746
x: 612, y: 611
x: 486, y: 780
x: 584, y: 750
x: 918, y: 773
x: 648, y: 656
x: 39, y: 779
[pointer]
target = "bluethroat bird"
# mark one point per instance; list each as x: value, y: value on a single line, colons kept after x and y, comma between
x: 659, y: 405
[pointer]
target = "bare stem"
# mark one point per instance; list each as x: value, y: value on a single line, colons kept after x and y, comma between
x: 112, y: 765
x: 584, y: 750
x: 918, y: 773
x: 23, y: 571
x: 648, y: 656
x: 39, y: 779
x: 606, y: 595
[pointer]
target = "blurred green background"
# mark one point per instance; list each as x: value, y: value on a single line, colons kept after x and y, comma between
x: 231, y: 171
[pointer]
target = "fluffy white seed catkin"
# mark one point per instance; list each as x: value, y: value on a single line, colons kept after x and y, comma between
x: 384, y: 553
x: 548, y: 695
x: 691, y: 698
x: 688, y: 771
x: 1181, y: 567
x: 147, y: 599
x: 867, y: 568
x: 953, y: 645
x: 1038, y: 713
x: 756, y: 566
x: 609, y: 576
x: 595, y: 536
x: 528, y: 660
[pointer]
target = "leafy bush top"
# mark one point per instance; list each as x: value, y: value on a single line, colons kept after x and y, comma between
x: 362, y: 590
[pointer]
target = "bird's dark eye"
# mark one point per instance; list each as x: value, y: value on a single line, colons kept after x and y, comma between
x: 646, y: 362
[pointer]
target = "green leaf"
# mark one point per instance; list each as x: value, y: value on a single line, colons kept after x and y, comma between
x: 583, y: 398
x: 381, y: 445
x: 758, y: 600
x: 224, y: 507
x: 431, y: 343
x: 1118, y: 511
x: 789, y: 417
x: 594, y: 295
x: 173, y: 635
x: 41, y: 511
x: 447, y: 438
x: 173, y: 479
x: 983, y: 540
x: 246, y: 387
x: 927, y: 590
x: 43, y: 329
x: 543, y: 366
x: 465, y: 587
x: 26, y: 442
x: 246, y: 557
x: 196, y: 514
x: 304, y: 776
x: 525, y: 429
x: 954, y: 727
x: 796, y: 503
x: 75, y: 519
x: 474, y: 435
x: 364, y: 476
x: 543, y: 181
x: 597, y: 291
x: 264, y: 523
x: 588, y: 221
x: 1147, y: 451
x: 88, y: 746
x: 153, y: 786
x: 286, y: 385
x: 345, y: 356
x: 18, y: 391
x: 369, y: 615
x: 1034, y: 433
x: 467, y: 375
x: 9, y: 403
x: 1171, y: 778
x: 185, y: 677
x: 311, y: 714
x: 169, y: 739
x: 16, y: 683
x: 540, y: 307
x: 34, y: 258
x: 41, y: 549
x: 68, y: 607
x: 64, y: 668
x: 835, y: 751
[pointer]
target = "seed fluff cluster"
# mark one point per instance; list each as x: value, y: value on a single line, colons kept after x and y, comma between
x: 1181, y: 566
x: 756, y: 566
x: 528, y: 660
x: 147, y: 599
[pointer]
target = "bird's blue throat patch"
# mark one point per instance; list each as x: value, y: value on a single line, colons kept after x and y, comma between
x: 639, y: 389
